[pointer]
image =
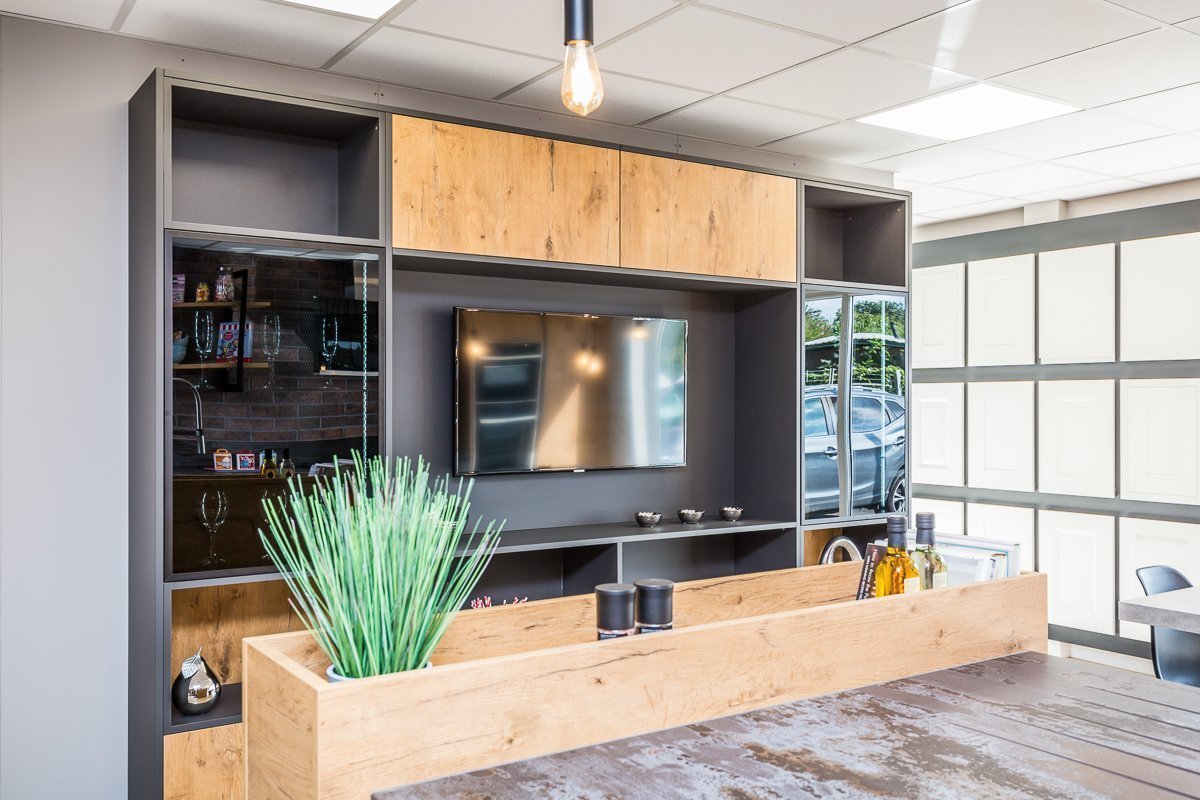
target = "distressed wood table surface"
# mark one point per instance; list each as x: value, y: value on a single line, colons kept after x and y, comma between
x: 1179, y: 609
x: 1021, y: 726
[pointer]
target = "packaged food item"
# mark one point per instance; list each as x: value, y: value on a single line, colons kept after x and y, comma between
x: 224, y: 285
x: 178, y: 285
x: 201, y: 292
x: 222, y: 460
x: 246, y: 461
x: 227, y: 341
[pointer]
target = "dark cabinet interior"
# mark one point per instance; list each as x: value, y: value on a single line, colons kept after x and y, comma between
x: 855, y: 237
x: 309, y: 387
x: 249, y: 162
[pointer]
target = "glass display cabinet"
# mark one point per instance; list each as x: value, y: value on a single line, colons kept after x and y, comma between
x: 855, y: 377
x: 274, y: 356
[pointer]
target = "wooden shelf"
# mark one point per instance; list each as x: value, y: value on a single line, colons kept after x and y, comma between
x: 223, y: 304
x: 217, y: 365
x: 227, y: 711
x: 521, y: 541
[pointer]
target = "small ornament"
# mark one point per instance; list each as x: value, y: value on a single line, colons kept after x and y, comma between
x: 196, y: 689
x: 201, y: 292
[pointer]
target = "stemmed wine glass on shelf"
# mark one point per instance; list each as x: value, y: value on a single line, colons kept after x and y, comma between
x: 214, y: 509
x: 329, y: 347
x: 206, y: 338
x: 272, y: 338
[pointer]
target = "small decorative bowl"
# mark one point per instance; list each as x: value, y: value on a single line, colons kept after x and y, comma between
x: 648, y: 519
x: 731, y: 513
x: 690, y: 516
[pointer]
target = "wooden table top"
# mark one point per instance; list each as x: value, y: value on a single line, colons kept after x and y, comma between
x: 1179, y: 609
x: 1021, y: 726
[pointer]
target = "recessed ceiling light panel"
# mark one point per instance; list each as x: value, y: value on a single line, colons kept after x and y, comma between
x: 370, y: 9
x: 968, y: 112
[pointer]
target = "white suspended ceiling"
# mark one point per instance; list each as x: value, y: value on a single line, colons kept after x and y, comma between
x: 789, y: 76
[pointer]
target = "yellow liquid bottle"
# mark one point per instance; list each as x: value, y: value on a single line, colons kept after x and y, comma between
x: 896, y: 573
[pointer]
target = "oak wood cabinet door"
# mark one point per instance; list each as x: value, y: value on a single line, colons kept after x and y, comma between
x: 687, y: 217
x: 204, y: 765
x: 461, y: 189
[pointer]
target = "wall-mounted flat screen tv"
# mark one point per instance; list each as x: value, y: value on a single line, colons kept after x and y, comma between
x: 553, y: 392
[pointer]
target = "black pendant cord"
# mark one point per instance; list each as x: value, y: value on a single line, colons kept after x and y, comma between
x: 577, y: 21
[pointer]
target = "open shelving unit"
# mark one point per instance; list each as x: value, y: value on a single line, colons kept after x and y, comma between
x: 235, y: 176
x: 257, y: 174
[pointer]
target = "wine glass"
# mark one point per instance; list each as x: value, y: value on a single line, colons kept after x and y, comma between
x: 212, y: 518
x: 329, y: 347
x: 272, y: 497
x: 272, y: 338
x: 205, y: 331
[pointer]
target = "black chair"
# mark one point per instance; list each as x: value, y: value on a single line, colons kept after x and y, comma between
x: 1176, y: 654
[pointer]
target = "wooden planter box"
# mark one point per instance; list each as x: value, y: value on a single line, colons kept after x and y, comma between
x: 513, y: 682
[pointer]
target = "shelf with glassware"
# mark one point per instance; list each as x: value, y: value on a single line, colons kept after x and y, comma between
x: 312, y: 338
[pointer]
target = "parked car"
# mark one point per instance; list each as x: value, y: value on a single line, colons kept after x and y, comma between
x: 877, y: 437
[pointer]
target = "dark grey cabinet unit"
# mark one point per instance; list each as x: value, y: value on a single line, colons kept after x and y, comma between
x: 342, y: 341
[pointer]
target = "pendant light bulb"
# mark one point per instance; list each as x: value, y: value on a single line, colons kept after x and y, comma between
x: 582, y: 89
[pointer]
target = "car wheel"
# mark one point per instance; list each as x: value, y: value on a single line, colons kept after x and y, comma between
x: 897, y: 496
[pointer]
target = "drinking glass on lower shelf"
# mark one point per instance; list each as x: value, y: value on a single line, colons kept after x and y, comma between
x: 212, y: 517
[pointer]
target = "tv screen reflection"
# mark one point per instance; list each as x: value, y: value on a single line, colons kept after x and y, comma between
x: 544, y: 391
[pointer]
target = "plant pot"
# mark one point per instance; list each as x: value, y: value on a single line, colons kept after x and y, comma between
x: 333, y: 676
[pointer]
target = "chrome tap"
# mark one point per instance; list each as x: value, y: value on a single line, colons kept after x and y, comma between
x: 200, y: 446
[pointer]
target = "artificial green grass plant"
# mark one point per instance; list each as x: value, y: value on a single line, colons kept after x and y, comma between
x: 369, y: 556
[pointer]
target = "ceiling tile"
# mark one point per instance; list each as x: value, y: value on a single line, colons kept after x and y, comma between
x: 989, y: 37
x: 442, y: 65
x: 1110, y: 186
x: 1167, y: 152
x: 927, y: 199
x: 270, y: 31
x: 627, y: 101
x: 726, y: 119
x: 946, y: 162
x: 975, y: 209
x: 847, y: 20
x: 93, y: 14
x: 1175, y: 175
x: 852, y: 143
x: 1020, y: 181
x: 536, y: 28
x: 850, y: 83
x: 1066, y: 135
x: 708, y: 50
x: 1166, y: 10
x: 1152, y: 62
x: 1176, y: 109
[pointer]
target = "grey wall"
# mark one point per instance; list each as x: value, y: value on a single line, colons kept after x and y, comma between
x: 423, y: 416
x: 64, y: 373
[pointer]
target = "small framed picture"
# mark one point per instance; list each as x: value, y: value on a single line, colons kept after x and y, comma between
x: 245, y: 461
x: 222, y: 460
